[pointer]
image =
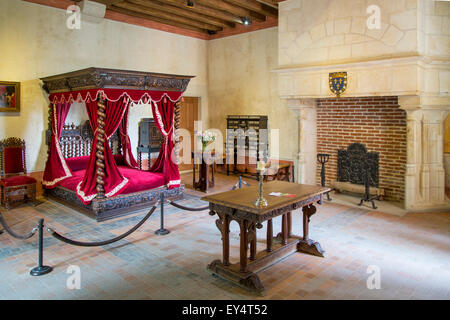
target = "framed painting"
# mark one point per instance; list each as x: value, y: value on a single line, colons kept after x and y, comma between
x: 9, y: 96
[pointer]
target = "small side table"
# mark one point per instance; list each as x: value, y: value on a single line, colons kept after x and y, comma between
x: 205, y: 180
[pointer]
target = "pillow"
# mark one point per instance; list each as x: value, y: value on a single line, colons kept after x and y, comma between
x: 78, y: 163
x: 81, y: 163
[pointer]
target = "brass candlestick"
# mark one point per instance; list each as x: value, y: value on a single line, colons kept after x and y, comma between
x: 261, y: 202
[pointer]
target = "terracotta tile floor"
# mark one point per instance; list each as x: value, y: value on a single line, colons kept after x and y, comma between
x: 412, y: 252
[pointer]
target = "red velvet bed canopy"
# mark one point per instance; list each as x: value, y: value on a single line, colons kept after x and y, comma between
x: 108, y: 95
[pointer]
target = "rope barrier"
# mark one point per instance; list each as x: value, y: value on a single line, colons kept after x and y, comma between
x: 100, y: 243
x: 15, y: 235
x: 179, y: 206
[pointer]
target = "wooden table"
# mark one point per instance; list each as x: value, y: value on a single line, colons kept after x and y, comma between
x: 205, y: 180
x: 238, y: 205
x: 284, y: 171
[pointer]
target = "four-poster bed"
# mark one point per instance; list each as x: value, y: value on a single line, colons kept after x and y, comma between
x: 97, y: 181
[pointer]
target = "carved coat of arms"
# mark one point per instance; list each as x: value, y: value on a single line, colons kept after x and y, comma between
x: 338, y: 82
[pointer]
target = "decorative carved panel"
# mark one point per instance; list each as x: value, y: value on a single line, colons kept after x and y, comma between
x: 95, y: 78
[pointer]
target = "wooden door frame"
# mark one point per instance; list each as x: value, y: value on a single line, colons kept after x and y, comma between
x: 196, y: 118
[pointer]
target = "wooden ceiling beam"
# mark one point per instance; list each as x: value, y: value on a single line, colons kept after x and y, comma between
x: 106, y: 2
x: 256, y: 6
x: 228, y: 7
x: 167, y: 16
x: 199, y: 8
x: 271, y: 3
x: 185, y: 12
x: 109, y: 2
x: 156, y: 19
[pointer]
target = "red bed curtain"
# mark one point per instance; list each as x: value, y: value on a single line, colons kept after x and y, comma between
x: 163, y: 112
x: 113, y: 179
x: 125, y: 140
x: 56, y: 168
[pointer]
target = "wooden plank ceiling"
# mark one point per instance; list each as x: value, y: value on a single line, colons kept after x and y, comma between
x: 208, y: 17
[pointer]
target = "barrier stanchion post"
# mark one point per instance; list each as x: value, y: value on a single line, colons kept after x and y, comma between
x: 162, y: 231
x: 41, y: 269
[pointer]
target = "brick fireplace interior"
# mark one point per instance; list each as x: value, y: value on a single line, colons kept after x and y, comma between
x: 376, y: 122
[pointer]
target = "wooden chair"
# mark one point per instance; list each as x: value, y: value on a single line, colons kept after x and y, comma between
x: 15, y: 185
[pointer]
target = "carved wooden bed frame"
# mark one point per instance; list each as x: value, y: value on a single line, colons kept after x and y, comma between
x: 77, y: 140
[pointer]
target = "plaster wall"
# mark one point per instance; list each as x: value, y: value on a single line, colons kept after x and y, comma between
x: 35, y: 42
x: 241, y: 82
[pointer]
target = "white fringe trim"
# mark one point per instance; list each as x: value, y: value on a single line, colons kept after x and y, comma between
x: 79, y: 97
x: 60, y: 155
x: 52, y: 183
x: 82, y: 194
x: 174, y: 182
x: 160, y: 122
x: 63, y: 160
x: 117, y: 188
x: 108, y: 195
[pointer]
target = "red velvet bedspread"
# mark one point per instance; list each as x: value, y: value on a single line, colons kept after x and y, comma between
x: 137, y: 180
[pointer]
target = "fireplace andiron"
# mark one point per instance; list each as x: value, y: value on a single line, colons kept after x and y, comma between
x: 323, y: 158
x: 367, y: 197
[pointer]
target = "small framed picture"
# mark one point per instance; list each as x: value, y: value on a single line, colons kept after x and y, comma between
x: 9, y: 96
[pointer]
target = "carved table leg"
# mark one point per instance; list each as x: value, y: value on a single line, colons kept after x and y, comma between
x: 244, y: 246
x: 289, y: 224
x: 211, y: 182
x: 252, y: 237
x: 203, y: 176
x: 284, y: 229
x: 226, y: 241
x: 269, y: 235
x: 307, y: 245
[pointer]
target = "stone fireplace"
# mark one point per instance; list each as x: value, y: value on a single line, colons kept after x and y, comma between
x: 397, y: 95
x: 376, y: 122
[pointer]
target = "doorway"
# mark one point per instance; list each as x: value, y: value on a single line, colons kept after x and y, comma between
x: 189, y: 114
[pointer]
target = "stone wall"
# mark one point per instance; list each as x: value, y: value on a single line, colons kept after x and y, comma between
x: 376, y: 122
x: 241, y: 81
x: 447, y: 151
x: 335, y: 31
x: 406, y: 57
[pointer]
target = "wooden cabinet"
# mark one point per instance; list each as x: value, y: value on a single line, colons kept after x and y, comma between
x: 246, y: 130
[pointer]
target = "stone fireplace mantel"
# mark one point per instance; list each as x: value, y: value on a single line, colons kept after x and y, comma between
x: 305, y: 109
x: 406, y: 59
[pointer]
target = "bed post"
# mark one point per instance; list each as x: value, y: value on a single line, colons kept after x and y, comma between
x: 100, y: 154
x: 50, y: 127
x: 177, y: 126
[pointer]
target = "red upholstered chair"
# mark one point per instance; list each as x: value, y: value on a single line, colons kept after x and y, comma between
x: 15, y: 184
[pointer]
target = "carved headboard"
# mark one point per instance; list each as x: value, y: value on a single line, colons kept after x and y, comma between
x: 76, y: 141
